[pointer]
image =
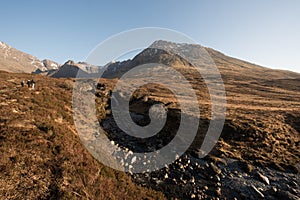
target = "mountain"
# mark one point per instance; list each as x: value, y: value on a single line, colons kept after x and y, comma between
x: 67, y: 70
x: 13, y: 60
x: 161, y: 52
x: 70, y: 70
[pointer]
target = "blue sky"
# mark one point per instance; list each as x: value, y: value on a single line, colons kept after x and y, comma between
x: 263, y: 32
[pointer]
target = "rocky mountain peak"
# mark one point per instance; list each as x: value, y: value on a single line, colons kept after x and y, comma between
x: 70, y: 62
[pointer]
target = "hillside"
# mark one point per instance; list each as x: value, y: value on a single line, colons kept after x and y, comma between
x: 41, y: 154
x: 260, y: 135
x: 13, y: 60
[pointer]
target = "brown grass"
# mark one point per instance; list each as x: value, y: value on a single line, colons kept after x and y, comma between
x: 42, y: 157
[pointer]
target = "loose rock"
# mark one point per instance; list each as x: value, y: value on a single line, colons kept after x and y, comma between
x: 263, y: 178
x: 258, y: 193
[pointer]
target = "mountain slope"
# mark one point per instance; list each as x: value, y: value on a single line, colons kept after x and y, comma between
x: 228, y: 66
x: 232, y: 67
x: 13, y: 60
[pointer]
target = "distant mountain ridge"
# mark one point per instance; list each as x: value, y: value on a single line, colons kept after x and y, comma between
x: 16, y: 61
x: 71, y: 68
x: 13, y: 60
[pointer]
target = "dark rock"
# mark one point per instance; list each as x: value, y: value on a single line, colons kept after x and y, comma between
x: 246, y: 167
x: 286, y: 195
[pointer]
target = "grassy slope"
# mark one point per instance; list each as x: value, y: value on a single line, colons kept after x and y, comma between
x: 41, y: 156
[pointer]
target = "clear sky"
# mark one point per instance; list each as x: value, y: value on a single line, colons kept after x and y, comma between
x: 263, y: 32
